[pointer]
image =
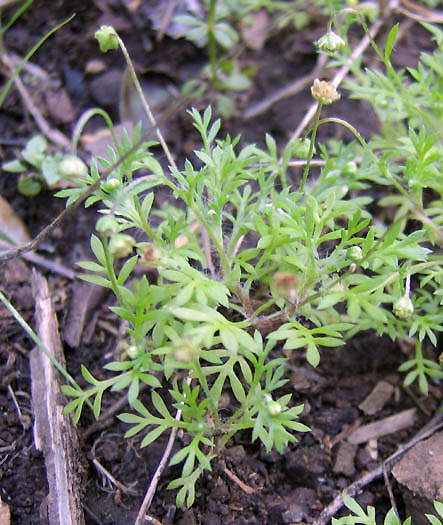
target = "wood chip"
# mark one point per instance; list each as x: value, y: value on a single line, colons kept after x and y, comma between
x: 5, y: 513
x: 420, y: 475
x: 11, y: 225
x: 54, y: 434
x: 60, y: 106
x: 255, y: 30
x: 85, y: 298
x: 344, y: 463
x: 377, y: 399
x: 383, y: 427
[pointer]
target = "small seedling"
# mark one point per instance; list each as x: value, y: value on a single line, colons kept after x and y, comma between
x: 39, y: 170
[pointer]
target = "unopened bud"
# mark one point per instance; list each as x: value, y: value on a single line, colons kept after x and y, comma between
x: 151, y: 254
x: 107, y: 38
x: 351, y: 167
x: 274, y: 408
x: 185, y: 352
x: 132, y: 351
x: 403, y: 307
x: 107, y: 224
x: 72, y: 166
x: 355, y: 253
x: 286, y: 284
x: 111, y: 184
x: 121, y: 245
x: 330, y: 42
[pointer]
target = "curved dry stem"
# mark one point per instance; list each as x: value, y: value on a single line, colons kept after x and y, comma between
x: 145, y: 104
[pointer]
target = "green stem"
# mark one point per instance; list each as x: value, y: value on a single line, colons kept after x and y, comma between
x: 331, y: 16
x: 129, y: 187
x: 262, y: 308
x: 144, y: 102
x: 418, y: 211
x: 17, y: 70
x: 249, y: 404
x: 392, y: 74
x: 311, y: 146
x: 38, y: 342
x: 374, y: 157
x: 13, y: 18
x: 82, y: 123
x: 145, y: 226
x: 202, y: 380
x: 218, y: 246
x: 110, y: 270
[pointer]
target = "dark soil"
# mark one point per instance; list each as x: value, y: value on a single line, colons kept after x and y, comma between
x: 290, y: 488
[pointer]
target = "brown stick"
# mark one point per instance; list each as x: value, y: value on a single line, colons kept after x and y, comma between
x: 160, y: 468
x: 354, y: 488
x: 53, y: 134
x: 54, y: 433
x: 343, y: 71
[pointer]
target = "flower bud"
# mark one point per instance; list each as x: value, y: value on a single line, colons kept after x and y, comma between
x: 121, y: 245
x: 330, y: 42
x: 185, y: 352
x: 72, y: 166
x: 338, y: 287
x: 300, y: 148
x: 107, y: 38
x: 274, y: 408
x: 351, y: 167
x: 286, y: 285
x: 355, y: 253
x: 324, y: 91
x: 132, y: 351
x: 111, y: 184
x: 150, y: 253
x: 107, y: 224
x: 181, y: 240
x: 403, y: 307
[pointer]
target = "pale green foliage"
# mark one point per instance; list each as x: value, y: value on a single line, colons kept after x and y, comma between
x: 368, y: 517
x: 38, y: 168
x: 242, y: 264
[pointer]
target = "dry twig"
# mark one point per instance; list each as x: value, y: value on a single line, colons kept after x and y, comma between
x: 54, y: 135
x: 157, y: 474
x: 354, y: 488
x: 343, y: 71
x: 288, y: 91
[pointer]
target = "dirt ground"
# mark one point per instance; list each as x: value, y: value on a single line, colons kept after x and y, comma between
x: 289, y: 488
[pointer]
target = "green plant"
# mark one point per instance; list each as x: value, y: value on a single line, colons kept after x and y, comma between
x: 217, y: 29
x: 368, y: 517
x: 176, y: 320
x: 223, y: 74
x: 409, y: 106
x: 38, y: 169
x: 241, y: 264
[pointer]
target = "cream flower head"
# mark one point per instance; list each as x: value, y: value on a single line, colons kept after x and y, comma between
x: 324, y: 91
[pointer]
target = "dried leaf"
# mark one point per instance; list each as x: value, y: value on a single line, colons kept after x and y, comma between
x: 12, y: 227
x: 255, y: 31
